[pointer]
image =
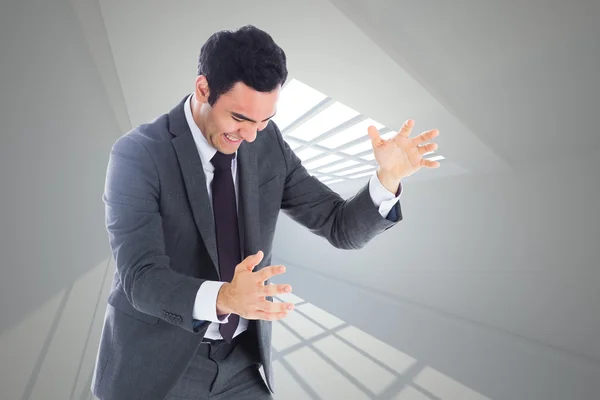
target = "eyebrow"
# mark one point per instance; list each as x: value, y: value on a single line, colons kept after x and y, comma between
x: 241, y: 116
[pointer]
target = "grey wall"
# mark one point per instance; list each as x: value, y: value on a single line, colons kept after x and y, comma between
x: 492, y: 279
x: 56, y: 130
x: 514, y: 251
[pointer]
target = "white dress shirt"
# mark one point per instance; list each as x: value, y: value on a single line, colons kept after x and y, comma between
x: 205, y: 306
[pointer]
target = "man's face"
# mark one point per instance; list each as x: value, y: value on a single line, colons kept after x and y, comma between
x: 237, y: 116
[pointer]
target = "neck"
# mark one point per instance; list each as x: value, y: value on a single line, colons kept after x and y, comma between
x: 197, y: 114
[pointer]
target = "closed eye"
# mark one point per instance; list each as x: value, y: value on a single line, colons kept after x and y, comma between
x: 240, y: 118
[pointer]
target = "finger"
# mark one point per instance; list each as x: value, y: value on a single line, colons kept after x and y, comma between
x: 250, y: 262
x: 269, y: 316
x: 274, y: 290
x: 406, y: 128
x: 429, y: 164
x: 429, y: 147
x: 376, y: 139
x: 426, y: 136
x: 273, y: 307
x: 269, y: 272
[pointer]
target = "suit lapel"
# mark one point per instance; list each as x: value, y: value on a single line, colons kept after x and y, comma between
x: 248, y: 209
x: 195, y: 180
x: 195, y: 184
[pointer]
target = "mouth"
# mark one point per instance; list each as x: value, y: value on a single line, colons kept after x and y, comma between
x: 231, y: 139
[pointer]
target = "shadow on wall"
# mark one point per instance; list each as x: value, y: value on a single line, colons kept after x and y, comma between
x: 374, y: 345
x: 50, y: 354
x: 319, y: 356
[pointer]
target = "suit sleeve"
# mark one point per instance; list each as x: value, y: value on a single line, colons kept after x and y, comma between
x: 135, y: 231
x: 346, y: 224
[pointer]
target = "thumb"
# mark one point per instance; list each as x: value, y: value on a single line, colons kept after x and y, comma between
x: 251, y: 261
x: 374, y: 135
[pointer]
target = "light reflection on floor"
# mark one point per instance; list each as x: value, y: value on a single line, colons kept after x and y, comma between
x: 318, y: 356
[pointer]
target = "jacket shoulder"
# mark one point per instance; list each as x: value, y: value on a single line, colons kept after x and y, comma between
x: 152, y: 135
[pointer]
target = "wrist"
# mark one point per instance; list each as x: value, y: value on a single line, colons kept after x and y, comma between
x: 389, y: 180
x: 223, y: 300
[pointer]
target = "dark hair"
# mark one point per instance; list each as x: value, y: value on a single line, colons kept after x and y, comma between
x: 248, y: 55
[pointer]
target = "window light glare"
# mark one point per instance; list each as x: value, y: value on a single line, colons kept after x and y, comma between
x: 357, y: 169
x: 339, y: 166
x: 369, y: 157
x: 292, y: 143
x: 436, y: 158
x: 347, y: 135
x: 334, y: 115
x: 308, y: 153
x: 361, y: 175
x: 389, y: 135
x: 359, y: 148
x: 295, y: 100
x: 323, y: 161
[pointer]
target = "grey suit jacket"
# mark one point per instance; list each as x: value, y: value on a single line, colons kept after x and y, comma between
x: 162, y: 235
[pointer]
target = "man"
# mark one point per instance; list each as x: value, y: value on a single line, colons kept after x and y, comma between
x: 192, y: 200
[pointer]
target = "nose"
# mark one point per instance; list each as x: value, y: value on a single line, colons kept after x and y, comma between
x: 248, y: 134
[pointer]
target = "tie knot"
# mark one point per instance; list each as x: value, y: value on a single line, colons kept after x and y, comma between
x: 222, y: 161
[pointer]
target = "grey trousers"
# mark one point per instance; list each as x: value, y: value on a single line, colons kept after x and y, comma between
x: 221, y: 371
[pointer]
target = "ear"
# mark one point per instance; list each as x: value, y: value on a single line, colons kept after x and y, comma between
x: 202, y: 92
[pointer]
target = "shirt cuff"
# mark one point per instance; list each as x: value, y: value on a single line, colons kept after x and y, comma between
x: 382, y: 198
x: 205, y: 306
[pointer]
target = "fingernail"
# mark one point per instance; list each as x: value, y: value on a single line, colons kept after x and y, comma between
x: 290, y: 307
x: 287, y: 288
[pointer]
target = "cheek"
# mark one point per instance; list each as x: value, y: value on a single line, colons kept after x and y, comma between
x: 226, y: 125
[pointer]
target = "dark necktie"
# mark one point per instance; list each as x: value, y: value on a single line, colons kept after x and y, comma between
x: 227, y: 231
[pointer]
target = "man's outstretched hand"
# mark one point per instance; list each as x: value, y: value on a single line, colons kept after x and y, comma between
x: 245, y: 295
x: 401, y: 156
